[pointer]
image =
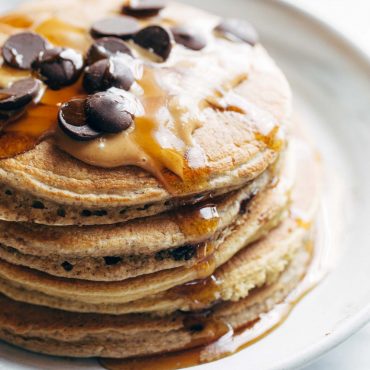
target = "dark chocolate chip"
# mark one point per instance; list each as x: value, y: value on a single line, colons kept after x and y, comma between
x: 196, y: 328
x: 86, y: 213
x: 106, y: 47
x: 22, y: 49
x: 38, y: 205
x: 161, y: 255
x: 8, y: 192
x: 19, y: 94
x: 155, y: 39
x: 123, y: 27
x: 110, y: 261
x: 189, y: 38
x: 8, y: 116
x: 184, y: 253
x: 107, y: 73
x: 72, y: 121
x: 67, y: 266
x: 244, y: 206
x: 59, y: 67
x: 108, y: 112
x: 61, y: 212
x: 144, y: 8
x: 100, y: 213
x: 237, y: 30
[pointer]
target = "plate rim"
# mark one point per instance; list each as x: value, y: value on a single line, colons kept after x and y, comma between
x: 350, y: 325
x: 354, y: 323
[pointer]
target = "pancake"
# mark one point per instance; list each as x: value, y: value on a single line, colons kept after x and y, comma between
x: 81, y: 335
x: 145, y: 246
x: 47, y: 186
x: 154, y: 195
x: 80, y: 295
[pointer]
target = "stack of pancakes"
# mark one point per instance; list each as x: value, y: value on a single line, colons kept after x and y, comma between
x: 110, y: 262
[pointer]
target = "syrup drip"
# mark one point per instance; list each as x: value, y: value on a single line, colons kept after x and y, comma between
x: 228, y: 342
x: 198, y: 221
x: 219, y: 339
x: 17, y: 20
x: 199, y: 293
x: 60, y: 33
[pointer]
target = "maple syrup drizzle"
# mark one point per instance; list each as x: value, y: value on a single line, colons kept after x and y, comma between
x: 198, y: 221
x: 225, y: 340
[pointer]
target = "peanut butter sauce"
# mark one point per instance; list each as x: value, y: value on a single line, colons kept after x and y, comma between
x: 169, y: 99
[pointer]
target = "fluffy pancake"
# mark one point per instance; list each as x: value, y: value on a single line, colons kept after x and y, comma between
x: 81, y: 335
x: 81, y: 295
x: 240, y: 150
x: 188, y: 223
x: 151, y: 244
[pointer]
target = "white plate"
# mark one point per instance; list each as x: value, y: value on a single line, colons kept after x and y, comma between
x: 330, y: 79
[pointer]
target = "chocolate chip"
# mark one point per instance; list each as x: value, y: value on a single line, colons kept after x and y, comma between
x: 107, y: 73
x: 237, y: 30
x: 19, y: 94
x: 155, y: 39
x: 144, y: 8
x: 123, y: 27
x: 110, y: 261
x: 188, y: 38
x: 8, y: 192
x: 100, y: 213
x: 67, y: 266
x: 72, y: 121
x: 61, y: 212
x: 106, y: 47
x: 59, y: 67
x: 22, y: 49
x: 38, y: 205
x: 86, y: 213
x: 8, y: 116
x: 108, y: 112
x: 196, y: 328
x: 184, y: 253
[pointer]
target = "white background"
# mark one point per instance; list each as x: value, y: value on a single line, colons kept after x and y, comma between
x: 350, y: 17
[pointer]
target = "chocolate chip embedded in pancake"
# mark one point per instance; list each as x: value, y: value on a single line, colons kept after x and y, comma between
x: 70, y: 334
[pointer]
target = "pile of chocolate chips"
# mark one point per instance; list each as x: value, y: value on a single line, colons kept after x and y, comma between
x: 106, y: 112
x: 56, y: 67
x: 108, y: 64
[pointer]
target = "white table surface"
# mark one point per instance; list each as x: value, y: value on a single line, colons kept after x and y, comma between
x: 351, y: 17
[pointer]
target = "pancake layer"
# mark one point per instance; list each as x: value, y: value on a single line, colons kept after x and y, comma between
x: 48, y: 186
x: 175, y: 248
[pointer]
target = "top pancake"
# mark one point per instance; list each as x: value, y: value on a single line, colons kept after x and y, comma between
x: 235, y: 150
